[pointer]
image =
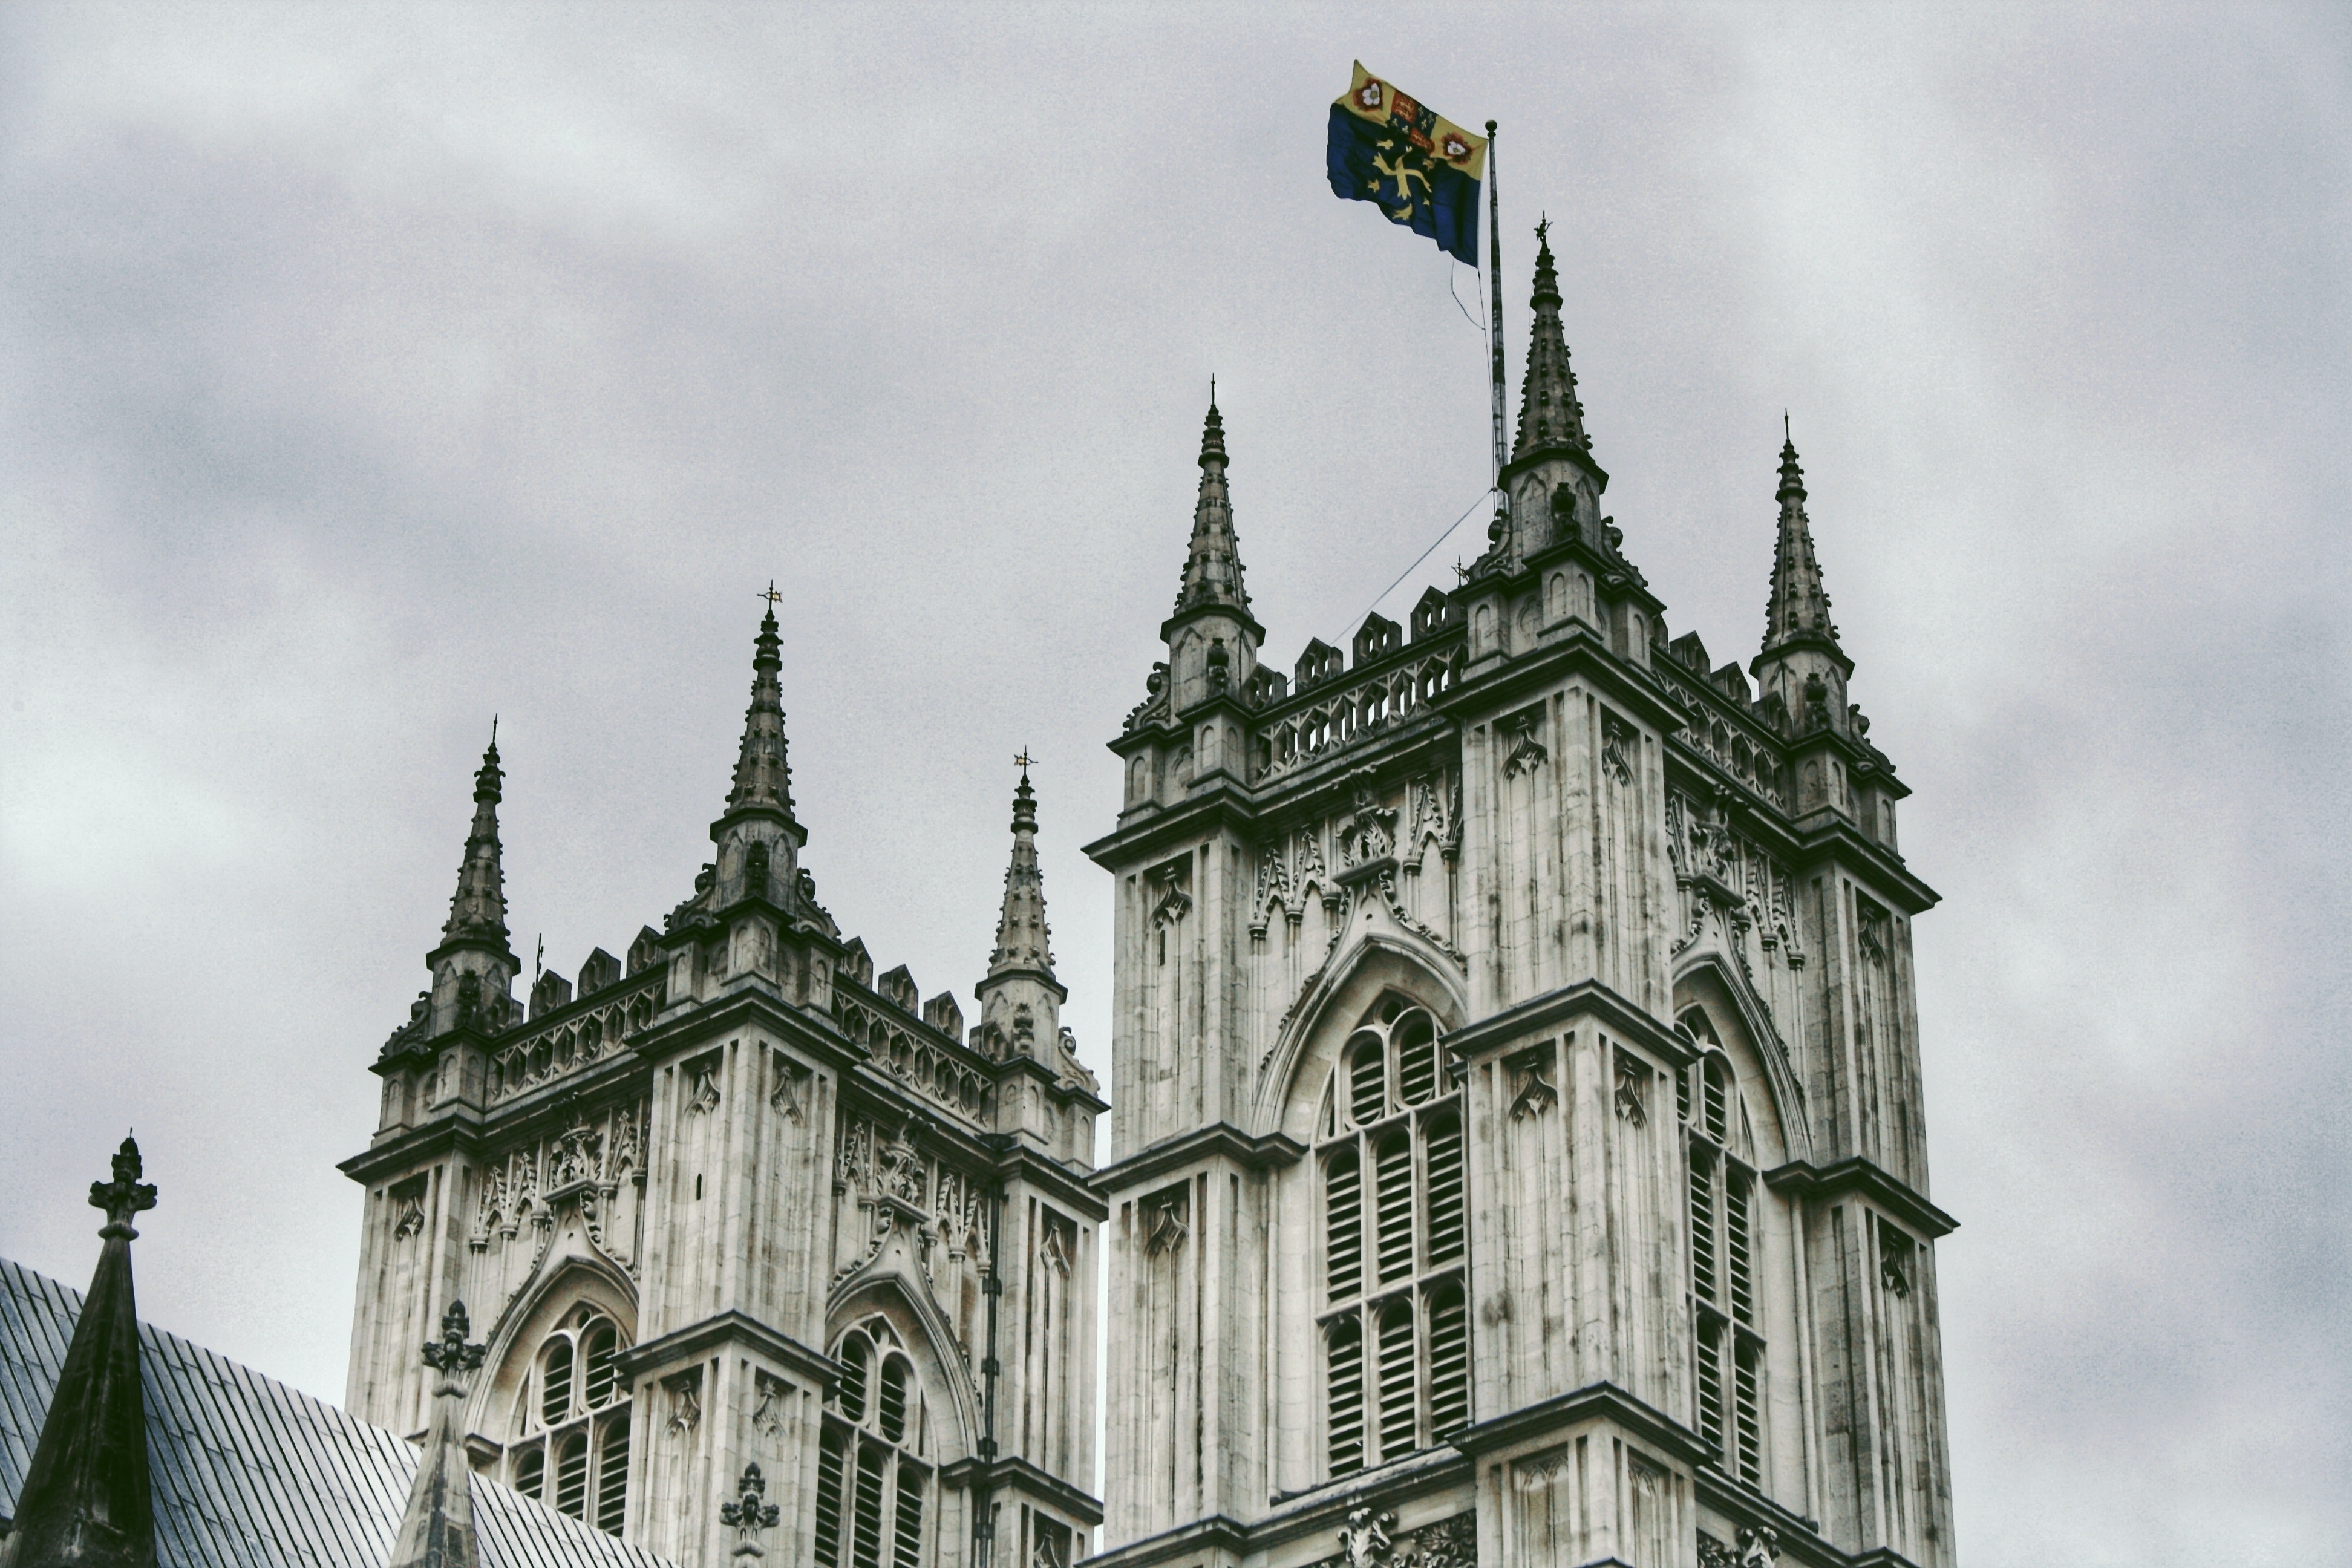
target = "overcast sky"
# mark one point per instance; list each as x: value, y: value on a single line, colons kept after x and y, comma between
x: 362, y: 374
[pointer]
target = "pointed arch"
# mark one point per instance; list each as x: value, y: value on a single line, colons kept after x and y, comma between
x: 928, y: 1342
x: 1744, y: 1025
x: 572, y: 1281
x: 1344, y: 990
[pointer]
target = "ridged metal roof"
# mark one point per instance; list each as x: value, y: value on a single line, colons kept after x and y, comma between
x: 251, y: 1472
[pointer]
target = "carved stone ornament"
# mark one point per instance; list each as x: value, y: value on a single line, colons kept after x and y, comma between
x: 792, y: 1091
x: 1760, y: 1546
x: 1167, y: 1225
x: 1448, y: 1543
x: 1367, y: 832
x: 1364, y: 1539
x: 751, y: 1513
x: 702, y: 1097
x: 767, y: 1412
x: 1175, y: 903
x: 1528, y: 753
x: 450, y: 1354
x: 1532, y: 1093
x: 1895, y: 1271
x: 1633, y: 1078
x: 1617, y: 749
x: 1714, y: 1553
x: 685, y: 1393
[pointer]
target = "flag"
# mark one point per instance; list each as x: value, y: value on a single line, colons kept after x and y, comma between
x: 1422, y: 170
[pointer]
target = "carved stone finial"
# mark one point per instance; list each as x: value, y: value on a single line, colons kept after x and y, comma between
x: 1364, y: 1539
x: 124, y: 1196
x: 750, y: 1512
x: 450, y: 1354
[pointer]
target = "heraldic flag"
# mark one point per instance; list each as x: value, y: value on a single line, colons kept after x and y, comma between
x: 1423, y: 170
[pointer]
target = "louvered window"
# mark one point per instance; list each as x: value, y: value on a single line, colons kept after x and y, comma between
x: 600, y: 1343
x: 572, y: 1474
x: 555, y: 1380
x: 530, y: 1472
x: 1396, y: 1332
x: 612, y: 1474
x: 1345, y: 1380
x: 572, y: 1448
x: 907, y: 1537
x: 1343, y: 1217
x: 828, y: 1499
x: 865, y: 1540
x: 1449, y: 1359
x: 872, y: 1486
x: 1727, y: 1349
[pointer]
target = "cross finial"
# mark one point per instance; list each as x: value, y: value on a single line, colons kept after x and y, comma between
x: 1785, y: 435
x: 772, y: 597
x: 1543, y: 226
x: 450, y: 1354
x: 124, y: 1196
x: 750, y: 1512
x: 1022, y: 762
x: 494, y: 732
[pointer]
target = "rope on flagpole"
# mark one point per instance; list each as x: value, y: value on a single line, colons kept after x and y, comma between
x: 1350, y: 631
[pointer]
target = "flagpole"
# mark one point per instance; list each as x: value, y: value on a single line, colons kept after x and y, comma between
x: 1494, y: 278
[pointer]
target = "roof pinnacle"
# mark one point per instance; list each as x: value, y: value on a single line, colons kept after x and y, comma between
x: 764, y: 777
x: 477, y: 911
x: 1212, y: 566
x: 87, y: 1498
x: 1549, y: 414
x: 1023, y: 941
x: 1798, y: 609
x: 436, y: 1530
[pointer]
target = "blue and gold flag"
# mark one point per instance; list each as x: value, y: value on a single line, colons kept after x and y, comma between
x: 1423, y: 170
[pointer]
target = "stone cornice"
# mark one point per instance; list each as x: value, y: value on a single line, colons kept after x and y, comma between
x: 696, y: 1023
x: 1800, y: 1538
x: 1050, y: 1176
x: 1803, y: 1178
x: 461, y: 1132
x: 1158, y: 829
x: 1504, y: 680
x: 682, y: 1346
x: 1826, y: 835
x: 1218, y: 1532
x: 1584, y: 996
x: 1020, y: 1475
x: 1218, y: 1141
x: 1594, y: 1401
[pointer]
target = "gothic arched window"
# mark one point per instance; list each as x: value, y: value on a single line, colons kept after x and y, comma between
x: 1727, y: 1329
x: 872, y: 1474
x: 572, y: 1418
x: 1396, y: 1329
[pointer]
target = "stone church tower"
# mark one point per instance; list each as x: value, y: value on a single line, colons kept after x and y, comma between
x: 1516, y: 1149
x: 741, y: 1218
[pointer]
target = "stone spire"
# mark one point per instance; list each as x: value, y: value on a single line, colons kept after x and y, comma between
x: 1020, y: 999
x: 1799, y: 608
x: 1213, y: 565
x: 477, y: 913
x: 437, y: 1529
x: 764, y: 781
x: 1549, y: 416
x: 1023, y: 942
x: 88, y: 1500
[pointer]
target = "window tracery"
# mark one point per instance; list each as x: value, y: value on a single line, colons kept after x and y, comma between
x: 1395, y: 1321
x: 571, y: 1417
x: 873, y: 1469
